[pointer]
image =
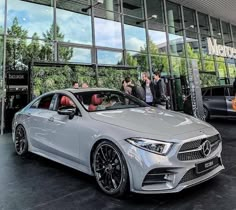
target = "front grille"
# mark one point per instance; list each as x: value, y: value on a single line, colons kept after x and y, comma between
x: 191, y: 174
x: 191, y: 150
x: 157, y: 176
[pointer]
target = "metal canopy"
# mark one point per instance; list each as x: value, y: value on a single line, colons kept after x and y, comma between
x: 223, y: 9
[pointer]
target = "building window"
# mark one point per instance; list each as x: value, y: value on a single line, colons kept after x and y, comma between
x: 134, y: 8
x: 226, y: 33
x: 176, y: 41
x: 35, y: 19
x: 174, y: 15
x: 216, y: 28
x: 222, y: 69
x: 135, y: 34
x: 204, y: 24
x: 137, y: 59
x: 2, y: 12
x: 156, y: 8
x: 72, y: 25
x: 192, y: 45
x: 109, y: 57
x: 108, y: 29
x: 74, y: 54
x: 190, y: 20
x: 109, y: 5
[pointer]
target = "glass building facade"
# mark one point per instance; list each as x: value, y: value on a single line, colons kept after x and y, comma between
x: 60, y: 41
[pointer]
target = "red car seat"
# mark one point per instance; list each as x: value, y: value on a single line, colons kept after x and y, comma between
x: 65, y: 101
x: 95, y: 101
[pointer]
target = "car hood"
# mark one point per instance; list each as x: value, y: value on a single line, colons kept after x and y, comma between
x: 151, y: 120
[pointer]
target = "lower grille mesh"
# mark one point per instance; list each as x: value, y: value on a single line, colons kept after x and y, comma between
x: 191, y: 174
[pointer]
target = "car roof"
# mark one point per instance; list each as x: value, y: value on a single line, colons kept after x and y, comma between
x: 82, y: 90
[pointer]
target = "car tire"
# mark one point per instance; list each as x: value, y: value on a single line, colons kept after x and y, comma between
x: 206, y: 113
x: 21, y: 142
x: 110, y: 169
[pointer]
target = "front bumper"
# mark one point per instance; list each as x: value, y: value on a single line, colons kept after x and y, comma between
x: 167, y: 174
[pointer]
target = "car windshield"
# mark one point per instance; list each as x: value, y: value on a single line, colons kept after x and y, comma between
x: 94, y: 101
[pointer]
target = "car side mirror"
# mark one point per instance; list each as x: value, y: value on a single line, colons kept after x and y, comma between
x: 67, y: 110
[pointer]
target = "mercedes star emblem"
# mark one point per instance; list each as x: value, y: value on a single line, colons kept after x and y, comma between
x: 206, y: 148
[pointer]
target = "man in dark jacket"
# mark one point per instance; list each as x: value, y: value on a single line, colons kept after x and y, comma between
x: 148, y: 86
x: 160, y: 89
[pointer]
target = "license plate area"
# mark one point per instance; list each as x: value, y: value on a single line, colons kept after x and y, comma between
x: 207, y: 165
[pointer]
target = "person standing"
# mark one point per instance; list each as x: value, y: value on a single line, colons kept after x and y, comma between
x: 148, y: 86
x: 75, y: 85
x: 160, y: 89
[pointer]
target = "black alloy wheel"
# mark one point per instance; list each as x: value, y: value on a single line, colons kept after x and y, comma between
x: 21, y: 143
x: 110, y: 169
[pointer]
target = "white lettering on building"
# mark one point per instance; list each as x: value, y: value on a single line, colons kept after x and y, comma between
x: 220, y: 50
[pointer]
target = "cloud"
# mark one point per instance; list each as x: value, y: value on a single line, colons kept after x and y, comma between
x: 107, y: 57
x: 135, y: 44
x: 81, y: 55
x: 108, y: 33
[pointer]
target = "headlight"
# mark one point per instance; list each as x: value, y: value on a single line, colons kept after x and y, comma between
x: 158, y: 147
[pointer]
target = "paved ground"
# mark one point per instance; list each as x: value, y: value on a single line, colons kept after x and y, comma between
x: 37, y: 183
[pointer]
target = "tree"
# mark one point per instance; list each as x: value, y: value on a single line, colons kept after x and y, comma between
x: 64, y: 53
x: 16, y: 49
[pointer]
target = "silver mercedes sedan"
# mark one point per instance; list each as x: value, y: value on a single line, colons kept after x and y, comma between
x: 126, y: 144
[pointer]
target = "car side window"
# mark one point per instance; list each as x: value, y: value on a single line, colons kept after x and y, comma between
x: 64, y: 101
x: 206, y: 92
x: 35, y: 104
x: 218, y: 91
x: 45, y: 102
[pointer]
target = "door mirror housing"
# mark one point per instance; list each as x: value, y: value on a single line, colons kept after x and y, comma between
x: 67, y: 110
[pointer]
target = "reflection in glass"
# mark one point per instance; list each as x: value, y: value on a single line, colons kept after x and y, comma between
x: 135, y: 35
x: 109, y: 57
x: 204, y: 24
x: 134, y: 8
x: 208, y: 66
x: 204, y: 48
x: 174, y: 15
x: 222, y: 69
x: 136, y: 59
x: 2, y: 11
x: 179, y: 66
x: 157, y: 38
x: 190, y: 19
x: 156, y: 8
x: 75, y: 55
x: 234, y: 33
x: 176, y: 40
x: 109, y: 5
x: 160, y: 63
x: 226, y: 33
x: 21, y: 52
x: 216, y: 28
x: 192, y: 45
x: 108, y: 33
x: 73, y: 26
x: 34, y: 18
x: 231, y: 67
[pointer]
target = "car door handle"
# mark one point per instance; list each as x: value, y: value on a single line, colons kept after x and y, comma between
x: 51, y: 119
